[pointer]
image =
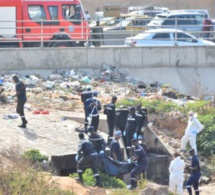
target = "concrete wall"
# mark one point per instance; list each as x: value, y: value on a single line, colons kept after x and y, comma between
x: 182, y: 67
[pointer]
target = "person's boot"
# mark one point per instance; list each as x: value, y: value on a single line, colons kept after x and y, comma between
x: 98, y: 181
x: 24, y: 122
x: 133, y: 184
x: 85, y: 127
x: 197, y: 192
x: 80, y: 178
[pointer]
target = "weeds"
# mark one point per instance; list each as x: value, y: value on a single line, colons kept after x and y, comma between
x: 17, y: 176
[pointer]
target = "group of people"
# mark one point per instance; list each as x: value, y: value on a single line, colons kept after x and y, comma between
x: 133, y: 136
x: 177, y: 166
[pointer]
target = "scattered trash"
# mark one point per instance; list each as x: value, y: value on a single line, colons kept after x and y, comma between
x: 11, y: 116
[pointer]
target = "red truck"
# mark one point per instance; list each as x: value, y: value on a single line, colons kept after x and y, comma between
x: 42, y: 23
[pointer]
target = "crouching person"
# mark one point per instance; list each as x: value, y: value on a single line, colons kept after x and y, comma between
x: 89, y: 158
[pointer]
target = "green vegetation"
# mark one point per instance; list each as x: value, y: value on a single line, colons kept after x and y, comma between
x: 108, y: 182
x: 17, y: 176
x: 34, y: 155
x: 205, y: 110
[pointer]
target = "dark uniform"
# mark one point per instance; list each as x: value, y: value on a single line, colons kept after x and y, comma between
x: 93, y: 111
x: 142, y: 118
x: 84, y: 97
x: 21, y: 100
x: 115, y: 148
x: 98, y: 142
x: 89, y: 158
x: 141, y: 164
x: 195, y: 176
x: 131, y: 125
x: 111, y: 116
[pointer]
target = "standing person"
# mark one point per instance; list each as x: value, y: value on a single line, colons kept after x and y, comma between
x: 97, y: 140
x: 141, y: 162
x: 196, y: 174
x: 115, y: 151
x: 21, y: 97
x: 142, y: 118
x: 93, y: 108
x: 193, y: 127
x: 89, y: 157
x: 176, y: 170
x: 207, y: 27
x: 131, y: 129
x: 87, y: 16
x: 87, y: 94
x: 111, y: 118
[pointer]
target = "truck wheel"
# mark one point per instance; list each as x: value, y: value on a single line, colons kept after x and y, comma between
x: 62, y: 44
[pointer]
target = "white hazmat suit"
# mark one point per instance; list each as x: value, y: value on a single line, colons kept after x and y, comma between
x: 176, y: 178
x: 193, y: 127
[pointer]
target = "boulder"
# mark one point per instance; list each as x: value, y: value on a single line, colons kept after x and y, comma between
x: 155, y: 189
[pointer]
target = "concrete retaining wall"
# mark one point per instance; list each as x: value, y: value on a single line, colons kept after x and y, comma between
x: 182, y: 67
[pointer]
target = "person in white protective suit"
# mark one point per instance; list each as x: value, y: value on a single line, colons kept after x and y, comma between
x: 193, y: 128
x: 176, y: 178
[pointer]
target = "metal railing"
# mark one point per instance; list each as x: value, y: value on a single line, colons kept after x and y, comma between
x: 107, y: 34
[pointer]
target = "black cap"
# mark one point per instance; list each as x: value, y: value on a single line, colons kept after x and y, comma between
x: 90, y: 129
x: 134, y: 140
x: 191, y: 150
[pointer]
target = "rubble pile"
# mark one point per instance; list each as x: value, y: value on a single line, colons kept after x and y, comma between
x: 61, y: 89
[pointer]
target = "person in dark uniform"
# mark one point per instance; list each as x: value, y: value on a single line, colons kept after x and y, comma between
x: 84, y: 97
x: 196, y: 174
x: 131, y: 129
x: 141, y: 162
x: 97, y: 140
x: 142, y: 143
x: 111, y: 117
x: 142, y: 118
x: 115, y: 151
x: 21, y: 97
x: 89, y: 158
x: 93, y: 108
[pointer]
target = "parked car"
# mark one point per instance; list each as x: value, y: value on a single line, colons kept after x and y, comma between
x: 165, y: 37
x: 187, y: 21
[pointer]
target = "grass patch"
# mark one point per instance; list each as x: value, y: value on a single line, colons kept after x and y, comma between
x: 108, y: 182
x: 17, y: 176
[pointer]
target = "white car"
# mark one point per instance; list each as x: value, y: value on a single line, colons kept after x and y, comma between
x: 165, y: 37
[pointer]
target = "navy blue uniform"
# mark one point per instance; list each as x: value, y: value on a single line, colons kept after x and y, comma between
x: 98, y: 142
x: 93, y: 111
x: 89, y: 158
x: 141, y: 166
x: 142, y: 118
x: 20, y: 87
x: 111, y: 116
x: 84, y: 97
x: 195, y: 176
x: 115, y: 148
x: 131, y: 126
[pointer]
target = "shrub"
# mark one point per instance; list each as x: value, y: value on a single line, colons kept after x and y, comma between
x: 34, y: 155
x: 106, y: 180
x: 206, y: 139
x: 17, y: 176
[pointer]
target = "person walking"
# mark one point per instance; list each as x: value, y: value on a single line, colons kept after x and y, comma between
x: 193, y: 128
x: 87, y: 94
x: 196, y: 174
x: 111, y: 118
x: 176, y: 178
x: 141, y: 162
x: 97, y: 140
x: 21, y: 99
x: 131, y: 129
x: 207, y: 27
x: 93, y: 108
x: 89, y: 158
x: 115, y: 151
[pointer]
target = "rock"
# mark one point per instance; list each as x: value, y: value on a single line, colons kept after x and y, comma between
x: 154, y: 189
